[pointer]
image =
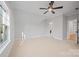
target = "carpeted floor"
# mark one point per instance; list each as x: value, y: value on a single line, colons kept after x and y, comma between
x: 44, y: 47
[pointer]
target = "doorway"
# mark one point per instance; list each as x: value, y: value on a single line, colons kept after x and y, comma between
x: 72, y: 30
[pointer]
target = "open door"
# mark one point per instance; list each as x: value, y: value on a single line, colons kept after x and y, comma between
x: 72, y: 30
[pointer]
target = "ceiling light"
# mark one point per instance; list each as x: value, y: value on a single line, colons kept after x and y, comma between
x: 49, y: 9
x: 50, y: 23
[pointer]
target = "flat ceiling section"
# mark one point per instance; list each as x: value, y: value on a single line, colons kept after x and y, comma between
x: 32, y: 8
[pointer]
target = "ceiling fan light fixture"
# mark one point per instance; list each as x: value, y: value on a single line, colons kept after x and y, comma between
x: 49, y: 9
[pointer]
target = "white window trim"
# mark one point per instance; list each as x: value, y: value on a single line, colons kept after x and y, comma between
x: 5, y: 43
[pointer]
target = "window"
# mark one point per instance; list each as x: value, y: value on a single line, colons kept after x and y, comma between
x: 4, y: 26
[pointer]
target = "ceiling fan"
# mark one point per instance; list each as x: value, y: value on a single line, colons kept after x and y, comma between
x: 51, y: 8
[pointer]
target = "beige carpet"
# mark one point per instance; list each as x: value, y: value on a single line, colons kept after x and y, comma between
x: 44, y: 47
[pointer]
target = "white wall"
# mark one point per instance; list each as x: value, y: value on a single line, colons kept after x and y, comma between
x: 57, y: 27
x: 7, y: 50
x: 29, y: 24
x: 64, y: 27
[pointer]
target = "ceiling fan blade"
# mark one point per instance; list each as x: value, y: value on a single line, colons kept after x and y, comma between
x: 45, y: 12
x: 58, y: 7
x: 53, y: 12
x: 44, y: 8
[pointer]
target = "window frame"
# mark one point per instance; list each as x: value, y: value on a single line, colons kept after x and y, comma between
x: 6, y: 42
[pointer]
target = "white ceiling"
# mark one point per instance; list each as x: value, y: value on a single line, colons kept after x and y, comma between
x: 32, y: 8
